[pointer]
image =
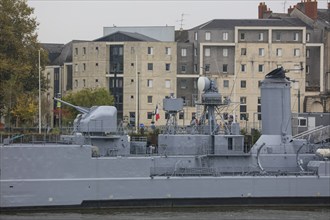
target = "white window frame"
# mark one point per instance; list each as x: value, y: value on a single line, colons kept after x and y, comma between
x: 168, y: 51
x: 296, y: 36
x: 261, y: 52
x: 308, y: 52
x: 225, y: 52
x: 296, y: 52
x: 207, y: 52
x: 183, y: 52
x: 150, y: 50
x: 207, y: 35
x: 149, y: 83
x: 225, y: 36
x: 279, y: 52
x: 196, y: 35
x: 261, y: 36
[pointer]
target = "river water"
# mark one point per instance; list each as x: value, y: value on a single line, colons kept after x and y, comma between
x: 264, y: 213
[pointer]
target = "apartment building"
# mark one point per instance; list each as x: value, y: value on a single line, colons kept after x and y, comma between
x: 138, y: 70
x: 317, y: 94
x: 238, y: 54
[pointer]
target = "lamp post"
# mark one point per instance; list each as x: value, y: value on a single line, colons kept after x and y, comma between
x: 39, y: 91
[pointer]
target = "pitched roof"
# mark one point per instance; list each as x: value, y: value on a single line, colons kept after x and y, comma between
x: 323, y: 15
x: 232, y: 23
x: 126, y: 36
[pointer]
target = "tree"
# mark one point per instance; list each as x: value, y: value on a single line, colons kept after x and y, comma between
x: 18, y: 54
x: 85, y: 98
x: 25, y: 109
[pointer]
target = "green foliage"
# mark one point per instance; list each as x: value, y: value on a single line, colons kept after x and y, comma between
x: 18, y: 53
x: 25, y: 109
x: 85, y: 98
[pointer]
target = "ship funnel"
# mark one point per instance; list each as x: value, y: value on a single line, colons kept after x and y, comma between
x: 276, y: 105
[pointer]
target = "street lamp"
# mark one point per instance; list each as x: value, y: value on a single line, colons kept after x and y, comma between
x: 39, y: 92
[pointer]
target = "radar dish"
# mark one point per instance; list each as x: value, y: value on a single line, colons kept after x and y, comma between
x: 203, y: 84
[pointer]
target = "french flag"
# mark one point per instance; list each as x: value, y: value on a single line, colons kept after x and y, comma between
x: 157, y: 113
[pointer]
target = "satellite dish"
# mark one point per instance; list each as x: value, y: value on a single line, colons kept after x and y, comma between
x: 203, y: 84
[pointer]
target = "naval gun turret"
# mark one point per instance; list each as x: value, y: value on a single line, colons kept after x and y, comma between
x: 97, y: 119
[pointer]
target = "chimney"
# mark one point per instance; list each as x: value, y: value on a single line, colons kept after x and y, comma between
x: 328, y: 5
x: 290, y: 10
x: 309, y: 8
x: 262, y: 8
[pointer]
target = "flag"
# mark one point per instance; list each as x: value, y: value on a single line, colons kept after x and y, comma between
x: 157, y: 113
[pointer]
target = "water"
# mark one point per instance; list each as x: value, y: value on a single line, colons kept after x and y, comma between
x: 269, y: 213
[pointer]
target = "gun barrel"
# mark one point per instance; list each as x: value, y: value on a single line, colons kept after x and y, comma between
x: 79, y: 108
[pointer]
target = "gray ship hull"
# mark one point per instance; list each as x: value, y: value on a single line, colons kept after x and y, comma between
x: 66, y: 175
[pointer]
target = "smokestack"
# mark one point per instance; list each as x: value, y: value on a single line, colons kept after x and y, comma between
x: 262, y: 8
x: 309, y: 8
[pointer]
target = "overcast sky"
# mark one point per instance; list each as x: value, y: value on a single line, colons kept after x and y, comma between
x: 64, y: 20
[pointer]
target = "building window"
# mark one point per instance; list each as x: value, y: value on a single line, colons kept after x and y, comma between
x: 76, y: 67
x: 259, y: 108
x: 261, y: 36
x: 195, y: 68
x: 207, y: 52
x: 150, y: 50
x: 84, y: 83
x: 302, y: 122
x: 167, y: 66
x: 225, y: 83
x: 225, y: 52
x: 261, y: 68
x: 149, y: 97
x: 207, y: 68
x: 76, y: 83
x: 195, y: 52
x: 243, y: 108
x: 225, y: 35
x: 308, y: 37
x: 183, y: 52
x: 150, y: 66
x: 84, y: 50
x: 167, y: 83
x: 243, y: 67
x: 278, y: 36
x: 243, y: 51
x: 225, y: 68
x: 242, y: 36
x: 296, y: 36
x: 307, y: 69
x: 181, y: 115
x: 96, y: 64
x: 261, y: 52
x: 149, y: 83
x: 308, y: 51
x: 243, y: 84
x: 167, y: 50
x: 183, y: 84
x: 207, y: 35
x: 149, y: 115
x: 296, y: 52
x: 259, y: 83
x: 84, y: 66
x: 279, y: 52
x: 196, y: 35
x: 183, y: 68
x: 76, y: 51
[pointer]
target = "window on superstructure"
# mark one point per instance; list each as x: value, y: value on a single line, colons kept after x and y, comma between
x: 207, y: 35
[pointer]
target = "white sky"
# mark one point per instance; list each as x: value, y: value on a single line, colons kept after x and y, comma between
x: 64, y: 20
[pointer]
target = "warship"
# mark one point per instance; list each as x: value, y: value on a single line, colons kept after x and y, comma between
x: 205, y: 163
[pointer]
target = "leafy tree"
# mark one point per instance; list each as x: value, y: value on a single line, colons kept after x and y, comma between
x: 18, y: 54
x: 85, y: 98
x: 25, y: 109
